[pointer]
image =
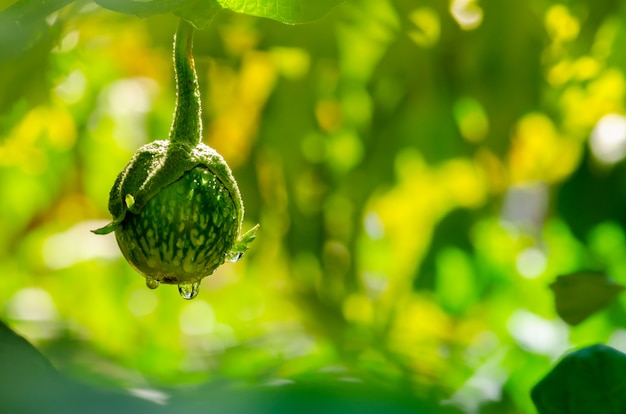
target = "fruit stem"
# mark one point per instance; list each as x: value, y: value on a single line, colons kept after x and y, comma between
x: 187, y: 123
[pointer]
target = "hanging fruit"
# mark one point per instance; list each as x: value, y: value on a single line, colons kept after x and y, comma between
x: 177, y: 211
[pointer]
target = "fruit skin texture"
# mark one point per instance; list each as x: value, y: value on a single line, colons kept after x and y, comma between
x: 177, y: 212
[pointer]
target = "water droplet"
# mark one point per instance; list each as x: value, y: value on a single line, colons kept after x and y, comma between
x: 234, y: 256
x: 152, y: 283
x: 189, y: 291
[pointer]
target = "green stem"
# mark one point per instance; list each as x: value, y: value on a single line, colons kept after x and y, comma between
x: 187, y: 124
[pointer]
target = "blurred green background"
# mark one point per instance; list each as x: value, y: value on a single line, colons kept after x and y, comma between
x: 421, y: 170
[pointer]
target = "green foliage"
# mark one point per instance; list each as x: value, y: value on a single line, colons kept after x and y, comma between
x: 588, y: 380
x: 199, y: 12
x: 579, y: 295
x: 286, y: 11
x: 422, y: 174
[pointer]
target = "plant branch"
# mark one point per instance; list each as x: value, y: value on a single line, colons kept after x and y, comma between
x: 187, y: 123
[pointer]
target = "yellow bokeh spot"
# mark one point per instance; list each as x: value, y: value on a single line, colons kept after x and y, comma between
x: 582, y: 107
x: 493, y: 169
x: 586, y: 68
x: 292, y: 62
x: 566, y: 70
x: 408, y: 213
x: 358, y: 308
x: 539, y: 153
x: 419, y: 332
x: 240, y: 38
x: 427, y: 26
x: 237, y: 101
x: 560, y: 24
x: 328, y: 115
x: 560, y: 73
x: 463, y: 182
x: 25, y: 145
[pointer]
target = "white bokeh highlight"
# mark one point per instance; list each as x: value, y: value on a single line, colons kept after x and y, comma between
x: 608, y: 139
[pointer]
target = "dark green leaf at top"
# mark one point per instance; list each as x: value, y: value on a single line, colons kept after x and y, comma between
x: 199, y: 12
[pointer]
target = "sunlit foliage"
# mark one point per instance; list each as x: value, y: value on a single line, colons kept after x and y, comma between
x: 422, y: 171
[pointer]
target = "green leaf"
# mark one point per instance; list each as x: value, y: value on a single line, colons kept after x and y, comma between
x: 286, y: 11
x: 200, y: 11
x: 579, y: 295
x: 589, y: 380
x: 143, y: 8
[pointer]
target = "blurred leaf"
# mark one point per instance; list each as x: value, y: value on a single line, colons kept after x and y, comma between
x: 27, y: 12
x: 200, y: 11
x: 26, y: 39
x: 22, y: 25
x: 29, y: 384
x: 579, y: 295
x: 590, y: 380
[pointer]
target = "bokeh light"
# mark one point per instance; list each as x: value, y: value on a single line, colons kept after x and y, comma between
x: 421, y: 174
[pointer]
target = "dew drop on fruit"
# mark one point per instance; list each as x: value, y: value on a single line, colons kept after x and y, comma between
x: 234, y: 257
x: 189, y: 290
x: 152, y: 283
